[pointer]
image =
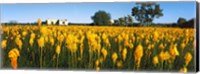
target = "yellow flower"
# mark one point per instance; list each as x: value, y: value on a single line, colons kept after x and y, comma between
x: 3, y: 44
x: 107, y: 42
x: 58, y: 49
x: 188, y: 58
x: 41, y: 42
x: 161, y: 46
x: 131, y: 46
x: 60, y: 38
x: 97, y: 63
x: 101, y: 59
x: 155, y: 35
x: 18, y: 42
x: 119, y: 38
x: 104, y: 52
x: 184, y: 69
x: 44, y: 30
x: 104, y: 36
x: 46, y: 39
x: 71, y: 42
x: 51, y: 41
x: 32, y: 35
x: 119, y: 64
x: 161, y: 56
x: 124, y: 52
x: 114, y: 57
x: 146, y: 41
x: 182, y: 45
x: 155, y: 60
x: 173, y: 51
x: 13, y: 53
x: 138, y: 52
x: 31, y: 41
x: 24, y: 33
x: 167, y: 56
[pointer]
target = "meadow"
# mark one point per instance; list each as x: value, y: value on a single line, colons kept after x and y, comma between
x: 98, y: 48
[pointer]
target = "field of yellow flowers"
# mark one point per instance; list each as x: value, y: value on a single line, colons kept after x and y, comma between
x: 98, y: 48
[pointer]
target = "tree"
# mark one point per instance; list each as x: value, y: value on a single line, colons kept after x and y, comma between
x: 145, y: 13
x: 126, y: 20
x: 130, y: 20
x: 183, y: 23
x: 116, y: 22
x: 181, y: 20
x: 101, y: 18
x: 122, y: 21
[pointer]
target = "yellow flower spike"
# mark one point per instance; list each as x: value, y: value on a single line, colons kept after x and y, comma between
x: 58, y: 49
x: 97, y: 63
x: 16, y: 51
x: 31, y: 41
x: 114, y: 57
x: 146, y: 41
x: 104, y: 36
x: 173, y: 51
x: 183, y: 45
x: 138, y: 52
x: 155, y: 35
x: 119, y: 64
x: 32, y: 35
x: 3, y: 44
x: 44, y: 30
x: 188, y: 58
x: 124, y: 53
x: 161, y: 56
x: 71, y: 42
x: 167, y: 56
x: 46, y: 39
x: 51, y: 41
x: 155, y: 60
x: 101, y: 60
x: 104, y: 52
x: 60, y: 38
x: 184, y: 69
x: 161, y: 46
x: 18, y: 42
x: 41, y: 42
x: 13, y: 55
x: 24, y: 33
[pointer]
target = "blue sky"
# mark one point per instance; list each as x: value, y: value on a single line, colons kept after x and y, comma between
x: 82, y: 12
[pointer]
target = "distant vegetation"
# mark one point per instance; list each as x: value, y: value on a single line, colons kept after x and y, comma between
x: 125, y: 21
x: 188, y: 24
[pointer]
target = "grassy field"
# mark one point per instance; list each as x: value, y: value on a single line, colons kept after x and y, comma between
x: 98, y: 48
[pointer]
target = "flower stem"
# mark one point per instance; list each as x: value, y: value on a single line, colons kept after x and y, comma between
x: 41, y: 58
x: 57, y: 61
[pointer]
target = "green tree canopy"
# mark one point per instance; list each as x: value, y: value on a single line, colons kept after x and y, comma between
x: 101, y: 18
x: 146, y: 12
x: 181, y: 20
x: 126, y: 20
